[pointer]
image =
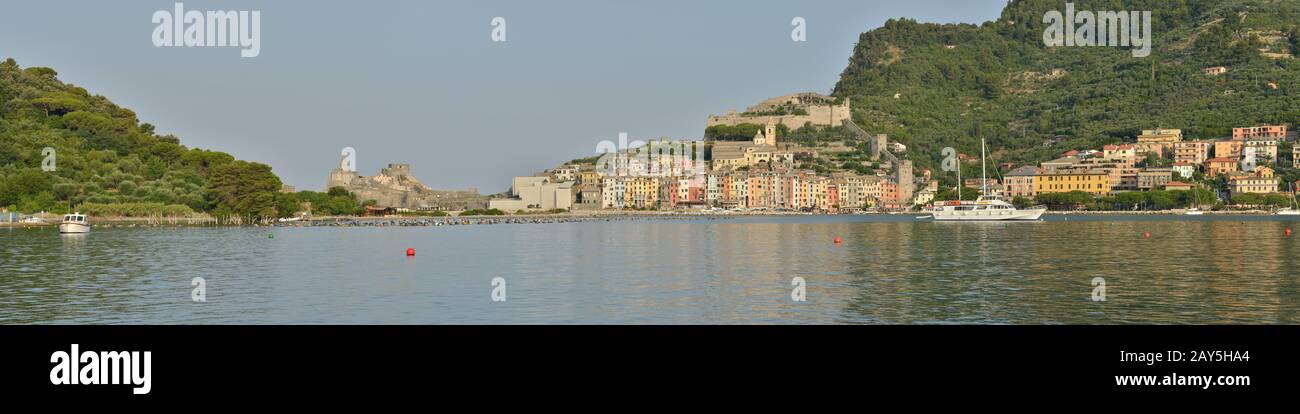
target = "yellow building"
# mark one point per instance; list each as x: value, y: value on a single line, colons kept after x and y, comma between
x: 1095, y: 182
x: 642, y: 192
x: 1248, y: 183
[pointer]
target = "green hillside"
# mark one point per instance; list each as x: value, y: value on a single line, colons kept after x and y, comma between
x: 107, y: 161
x: 930, y: 86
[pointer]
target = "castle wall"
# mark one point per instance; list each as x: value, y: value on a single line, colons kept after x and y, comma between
x: 821, y: 115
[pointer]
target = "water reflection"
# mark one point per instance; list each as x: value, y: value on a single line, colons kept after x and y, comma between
x: 889, y: 269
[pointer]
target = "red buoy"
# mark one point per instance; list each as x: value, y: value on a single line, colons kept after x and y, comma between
x: 1146, y: 235
x: 1288, y: 231
x: 410, y: 251
x: 837, y: 239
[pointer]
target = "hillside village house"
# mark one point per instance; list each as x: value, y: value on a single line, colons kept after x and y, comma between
x: 1265, y: 149
x: 1216, y: 166
x: 1059, y: 163
x: 1194, y: 152
x: 1119, y: 151
x: 1228, y: 148
x: 1273, y: 132
x: 1260, y: 181
x: 1154, y: 178
x: 1158, y: 141
x: 1184, y: 169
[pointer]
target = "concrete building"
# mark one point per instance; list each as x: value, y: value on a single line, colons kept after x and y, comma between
x: 1154, y: 178
x: 535, y: 193
x: 1193, y: 152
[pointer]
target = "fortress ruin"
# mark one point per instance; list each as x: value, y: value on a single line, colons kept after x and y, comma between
x: 792, y: 110
x: 395, y: 187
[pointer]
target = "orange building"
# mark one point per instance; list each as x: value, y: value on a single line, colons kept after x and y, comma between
x: 1216, y: 166
x: 1277, y: 132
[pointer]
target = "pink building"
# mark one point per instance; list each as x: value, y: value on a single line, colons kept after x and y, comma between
x: 1277, y: 132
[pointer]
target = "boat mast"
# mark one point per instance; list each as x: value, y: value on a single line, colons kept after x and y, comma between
x: 959, y: 183
x: 984, y: 174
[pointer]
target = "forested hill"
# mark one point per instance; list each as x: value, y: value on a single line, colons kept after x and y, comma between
x: 931, y: 85
x: 103, y: 155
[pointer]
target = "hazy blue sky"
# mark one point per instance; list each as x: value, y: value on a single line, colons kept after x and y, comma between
x: 421, y: 82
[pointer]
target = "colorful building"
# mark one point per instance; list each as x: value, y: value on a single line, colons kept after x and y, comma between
x: 1095, y: 182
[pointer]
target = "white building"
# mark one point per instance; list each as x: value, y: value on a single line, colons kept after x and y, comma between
x: 535, y: 193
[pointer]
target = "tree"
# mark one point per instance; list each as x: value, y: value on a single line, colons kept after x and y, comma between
x: 247, y: 189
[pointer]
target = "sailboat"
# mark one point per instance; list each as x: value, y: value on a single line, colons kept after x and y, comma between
x: 984, y: 208
x: 1196, y: 202
x: 1291, y: 210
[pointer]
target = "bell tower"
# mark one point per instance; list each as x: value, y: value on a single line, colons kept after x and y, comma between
x: 770, y: 132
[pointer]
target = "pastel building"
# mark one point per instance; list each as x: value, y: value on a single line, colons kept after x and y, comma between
x: 1095, y: 182
x: 1272, y: 132
x: 1020, y: 182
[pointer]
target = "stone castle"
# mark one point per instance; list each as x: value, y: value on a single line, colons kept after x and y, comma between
x: 395, y: 187
x: 820, y: 110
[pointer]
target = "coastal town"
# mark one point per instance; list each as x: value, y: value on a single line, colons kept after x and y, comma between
x: 768, y: 174
x: 764, y: 174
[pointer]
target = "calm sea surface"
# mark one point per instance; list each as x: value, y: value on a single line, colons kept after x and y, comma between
x: 888, y: 270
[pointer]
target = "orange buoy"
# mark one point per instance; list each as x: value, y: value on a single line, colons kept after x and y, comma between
x: 837, y: 239
x: 1288, y: 231
x: 1146, y: 235
x: 410, y: 251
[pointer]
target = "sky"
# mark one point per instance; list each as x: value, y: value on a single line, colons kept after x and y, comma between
x: 423, y: 82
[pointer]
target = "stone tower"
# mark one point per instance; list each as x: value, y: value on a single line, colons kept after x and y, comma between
x: 877, y: 145
x: 770, y: 132
x: 903, y: 176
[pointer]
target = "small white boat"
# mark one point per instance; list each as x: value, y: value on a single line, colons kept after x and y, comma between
x: 1194, y: 212
x: 32, y: 220
x: 74, y: 223
x: 1290, y: 210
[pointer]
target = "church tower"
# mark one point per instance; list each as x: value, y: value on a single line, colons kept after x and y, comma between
x: 771, y: 133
